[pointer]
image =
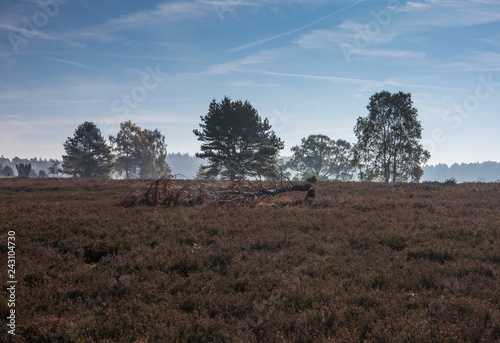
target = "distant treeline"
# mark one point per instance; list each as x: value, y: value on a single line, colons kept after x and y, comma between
x: 464, y: 172
x: 8, y: 166
x: 183, y: 164
x: 187, y: 165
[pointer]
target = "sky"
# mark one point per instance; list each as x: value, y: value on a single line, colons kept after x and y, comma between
x: 309, y: 66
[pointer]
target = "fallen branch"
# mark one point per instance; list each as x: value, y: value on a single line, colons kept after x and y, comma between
x: 163, y: 193
x: 301, y: 188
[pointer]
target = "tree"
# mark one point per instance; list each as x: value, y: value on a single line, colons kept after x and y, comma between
x: 201, y: 173
x: 321, y: 156
x: 313, y: 156
x: 23, y: 170
x: 88, y: 155
x: 126, y: 147
x: 7, y: 171
x: 140, y: 153
x: 153, y: 155
x: 236, y: 141
x: 54, y: 167
x: 341, y: 167
x: 388, y: 139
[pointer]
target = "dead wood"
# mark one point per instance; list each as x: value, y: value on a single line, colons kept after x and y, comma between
x: 163, y: 193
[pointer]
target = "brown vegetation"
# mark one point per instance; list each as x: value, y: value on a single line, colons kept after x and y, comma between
x: 362, y: 262
x: 171, y: 193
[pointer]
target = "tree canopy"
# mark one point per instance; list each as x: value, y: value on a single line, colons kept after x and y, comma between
x: 54, y: 167
x: 23, y: 170
x: 321, y: 156
x: 88, y: 155
x: 140, y: 153
x: 388, y: 139
x: 236, y: 141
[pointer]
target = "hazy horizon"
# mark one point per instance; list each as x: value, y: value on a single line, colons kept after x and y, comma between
x: 308, y: 66
x: 193, y: 155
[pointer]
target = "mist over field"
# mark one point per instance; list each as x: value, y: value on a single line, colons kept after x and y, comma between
x: 186, y: 165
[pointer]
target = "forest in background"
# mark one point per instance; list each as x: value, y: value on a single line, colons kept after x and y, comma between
x: 187, y: 165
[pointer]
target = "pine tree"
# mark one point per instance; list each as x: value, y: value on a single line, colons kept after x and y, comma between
x: 88, y: 155
x: 236, y: 141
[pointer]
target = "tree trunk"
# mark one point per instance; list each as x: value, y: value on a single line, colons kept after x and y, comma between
x: 394, y: 170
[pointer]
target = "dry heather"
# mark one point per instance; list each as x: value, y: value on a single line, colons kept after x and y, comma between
x: 361, y: 262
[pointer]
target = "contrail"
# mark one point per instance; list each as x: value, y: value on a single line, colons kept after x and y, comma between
x: 356, y: 81
x: 265, y: 40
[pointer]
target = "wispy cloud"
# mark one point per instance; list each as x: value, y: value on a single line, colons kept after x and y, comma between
x: 412, y: 6
x: 364, y: 82
x: 257, y: 59
x: 162, y: 15
x: 390, y: 53
x: 39, y: 34
x: 451, y: 13
x: 73, y: 63
x: 301, y: 28
x: 412, y: 18
x: 476, y: 61
x: 13, y: 95
x: 345, y: 33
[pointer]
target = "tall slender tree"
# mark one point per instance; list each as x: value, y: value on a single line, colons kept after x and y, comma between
x: 125, y: 145
x: 388, y: 139
x: 236, y: 141
x: 88, y: 155
x: 153, y: 155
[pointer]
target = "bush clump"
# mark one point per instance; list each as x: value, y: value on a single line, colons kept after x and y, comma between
x: 312, y: 179
x: 450, y: 182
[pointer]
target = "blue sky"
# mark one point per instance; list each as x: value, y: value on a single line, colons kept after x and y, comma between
x: 309, y: 66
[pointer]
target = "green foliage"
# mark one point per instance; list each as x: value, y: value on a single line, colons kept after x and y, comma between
x: 388, y: 140
x: 236, y: 141
x: 312, y: 179
x: 153, y: 152
x: 88, y: 155
x: 23, y: 170
x: 42, y: 173
x: 319, y: 155
x: 140, y: 153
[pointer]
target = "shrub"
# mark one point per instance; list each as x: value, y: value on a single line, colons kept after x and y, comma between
x: 450, y: 182
x: 312, y: 179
